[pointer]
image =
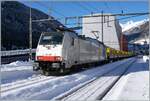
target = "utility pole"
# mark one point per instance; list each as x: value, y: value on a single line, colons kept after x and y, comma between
x: 102, y: 25
x: 30, y: 36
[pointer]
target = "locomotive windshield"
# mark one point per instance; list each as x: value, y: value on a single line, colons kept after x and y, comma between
x: 51, y: 38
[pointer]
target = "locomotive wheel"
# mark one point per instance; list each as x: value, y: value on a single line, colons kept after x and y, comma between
x: 41, y: 72
x: 64, y: 71
x: 46, y: 73
x: 61, y: 70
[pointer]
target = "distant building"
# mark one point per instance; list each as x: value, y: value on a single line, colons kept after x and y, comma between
x: 112, y: 32
x: 140, y: 46
x: 123, y: 42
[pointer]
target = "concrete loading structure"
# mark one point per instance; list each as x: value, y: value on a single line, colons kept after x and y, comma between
x: 112, y: 31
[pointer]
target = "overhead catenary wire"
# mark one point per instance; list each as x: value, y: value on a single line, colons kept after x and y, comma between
x: 52, y: 10
x: 105, y: 3
x: 109, y: 7
x: 76, y: 7
x: 91, y: 6
x: 83, y: 7
x: 120, y: 7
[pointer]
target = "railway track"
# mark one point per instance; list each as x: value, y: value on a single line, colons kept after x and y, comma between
x: 25, y: 83
x: 35, y: 77
x: 97, y: 88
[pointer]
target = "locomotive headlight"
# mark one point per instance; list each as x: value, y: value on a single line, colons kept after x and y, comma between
x: 58, y: 58
x: 48, y: 47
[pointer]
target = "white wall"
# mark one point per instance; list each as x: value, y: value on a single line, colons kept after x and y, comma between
x: 111, y: 30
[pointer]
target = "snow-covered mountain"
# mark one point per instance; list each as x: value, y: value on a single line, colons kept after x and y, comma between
x: 131, y: 24
x: 135, y: 31
x: 15, y: 25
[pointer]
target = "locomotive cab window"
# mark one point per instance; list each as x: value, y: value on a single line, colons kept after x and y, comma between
x: 51, y: 38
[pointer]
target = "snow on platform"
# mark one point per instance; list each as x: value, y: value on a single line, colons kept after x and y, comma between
x: 134, y: 85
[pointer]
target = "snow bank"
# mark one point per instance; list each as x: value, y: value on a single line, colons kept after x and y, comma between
x: 145, y: 58
x: 131, y: 24
x: 15, y: 71
x: 18, y: 65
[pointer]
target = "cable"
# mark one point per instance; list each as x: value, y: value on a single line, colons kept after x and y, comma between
x: 76, y: 8
x: 90, y: 6
x: 82, y: 6
x: 105, y: 3
x: 120, y: 7
x: 51, y: 9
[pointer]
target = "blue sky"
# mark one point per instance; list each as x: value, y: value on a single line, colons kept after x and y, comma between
x: 61, y: 9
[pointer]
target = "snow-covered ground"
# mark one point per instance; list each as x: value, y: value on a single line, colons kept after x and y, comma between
x: 15, y: 71
x: 20, y: 82
x: 18, y: 65
x: 56, y: 85
x: 134, y: 85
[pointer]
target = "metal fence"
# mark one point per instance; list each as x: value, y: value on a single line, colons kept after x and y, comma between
x: 16, y: 52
